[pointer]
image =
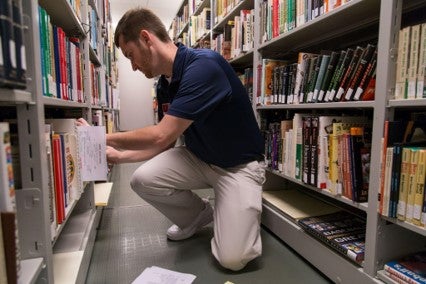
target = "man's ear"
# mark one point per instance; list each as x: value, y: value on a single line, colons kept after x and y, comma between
x: 145, y: 36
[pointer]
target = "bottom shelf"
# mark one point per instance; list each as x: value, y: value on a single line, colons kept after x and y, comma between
x: 73, y: 250
x: 30, y: 270
x: 67, y: 266
x: 334, y: 266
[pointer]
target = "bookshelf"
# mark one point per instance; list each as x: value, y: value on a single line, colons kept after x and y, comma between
x: 353, y: 23
x: 41, y: 254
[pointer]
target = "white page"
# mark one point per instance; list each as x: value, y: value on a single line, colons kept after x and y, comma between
x: 92, y: 148
x: 158, y: 275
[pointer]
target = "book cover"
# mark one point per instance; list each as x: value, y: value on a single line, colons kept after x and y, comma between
x: 325, y: 60
x: 50, y: 181
x: 302, y: 64
x: 419, y: 186
x: 422, y: 63
x: 403, y: 185
x: 334, y: 58
x: 402, y: 62
x: 402, y: 272
x: 58, y: 178
x: 366, y: 78
x: 413, y: 61
x: 18, y: 26
x: 412, y: 169
x: 9, y: 76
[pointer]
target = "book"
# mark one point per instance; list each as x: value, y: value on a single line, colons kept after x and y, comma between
x: 420, y: 92
x: 349, y: 73
x: 341, y: 230
x: 7, y: 184
x: 413, y: 61
x: 9, y: 74
x: 50, y: 181
x: 338, y: 74
x: 58, y: 168
x: 402, y: 62
x: 334, y: 59
x: 366, y: 78
x: 71, y: 159
x: 18, y: 33
x: 410, y: 268
x: 302, y: 64
x: 419, y: 186
x: 357, y: 147
x: 412, y: 185
x: 333, y: 78
x: 325, y: 59
x: 268, y: 66
x: 365, y: 59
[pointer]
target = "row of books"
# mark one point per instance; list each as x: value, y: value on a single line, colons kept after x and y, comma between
x: 199, y: 26
x: 74, y: 155
x: 403, y: 171
x: 61, y: 62
x: 280, y: 16
x: 408, y: 269
x: 179, y: 22
x: 411, y: 63
x: 13, y: 63
x: 237, y: 35
x: 346, y: 75
x: 223, y: 7
x: 342, y: 231
x: 9, y: 241
x: 331, y: 153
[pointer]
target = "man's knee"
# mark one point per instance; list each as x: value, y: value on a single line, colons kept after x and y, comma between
x: 233, y: 259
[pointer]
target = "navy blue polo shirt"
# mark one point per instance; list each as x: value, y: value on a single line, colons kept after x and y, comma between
x: 204, y: 88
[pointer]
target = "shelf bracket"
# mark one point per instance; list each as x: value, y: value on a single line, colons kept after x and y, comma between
x: 31, y: 227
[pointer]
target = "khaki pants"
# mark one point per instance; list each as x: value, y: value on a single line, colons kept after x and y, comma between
x: 166, y: 182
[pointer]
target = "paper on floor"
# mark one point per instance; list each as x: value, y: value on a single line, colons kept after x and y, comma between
x: 158, y: 275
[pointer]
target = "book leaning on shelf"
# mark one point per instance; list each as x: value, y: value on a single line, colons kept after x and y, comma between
x: 8, y: 207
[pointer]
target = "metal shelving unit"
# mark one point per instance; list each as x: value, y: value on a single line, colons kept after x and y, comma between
x: 30, y: 108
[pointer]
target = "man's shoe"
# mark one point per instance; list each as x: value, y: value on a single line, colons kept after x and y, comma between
x: 175, y: 233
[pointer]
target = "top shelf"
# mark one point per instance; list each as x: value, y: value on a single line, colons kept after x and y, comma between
x: 356, y: 16
x: 63, y: 15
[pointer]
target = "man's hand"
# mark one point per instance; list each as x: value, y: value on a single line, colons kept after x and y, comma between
x: 113, y: 155
x: 82, y: 122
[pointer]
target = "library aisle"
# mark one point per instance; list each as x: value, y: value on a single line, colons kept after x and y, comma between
x: 131, y: 237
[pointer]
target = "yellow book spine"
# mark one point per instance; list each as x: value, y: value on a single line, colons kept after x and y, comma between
x: 411, y: 184
x: 419, y: 188
x: 403, y: 181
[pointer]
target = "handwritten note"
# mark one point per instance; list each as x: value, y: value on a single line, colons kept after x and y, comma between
x: 92, y: 148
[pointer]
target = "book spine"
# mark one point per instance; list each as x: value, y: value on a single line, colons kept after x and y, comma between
x: 403, y: 185
x: 419, y: 186
x: 348, y: 74
x: 360, y: 69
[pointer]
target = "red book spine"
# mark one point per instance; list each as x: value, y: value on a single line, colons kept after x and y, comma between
x: 58, y: 178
